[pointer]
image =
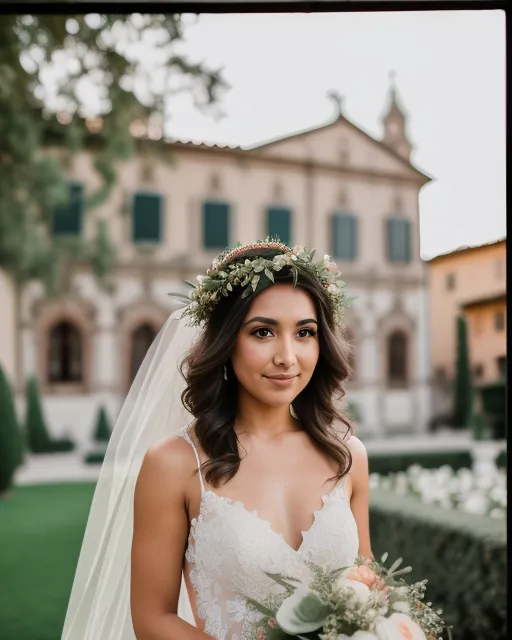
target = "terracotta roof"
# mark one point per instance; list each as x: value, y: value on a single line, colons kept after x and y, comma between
x: 466, y: 249
x: 478, y: 302
x: 203, y: 145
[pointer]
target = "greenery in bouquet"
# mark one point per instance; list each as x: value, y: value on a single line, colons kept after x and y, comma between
x: 365, y: 601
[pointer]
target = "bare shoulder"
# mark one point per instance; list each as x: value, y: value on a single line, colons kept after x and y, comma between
x: 356, y: 448
x: 170, y: 463
x: 359, y: 471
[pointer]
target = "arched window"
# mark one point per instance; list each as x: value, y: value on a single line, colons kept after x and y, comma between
x: 65, y: 357
x: 397, y: 358
x: 141, y: 340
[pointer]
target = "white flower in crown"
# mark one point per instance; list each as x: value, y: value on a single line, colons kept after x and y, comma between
x: 226, y: 273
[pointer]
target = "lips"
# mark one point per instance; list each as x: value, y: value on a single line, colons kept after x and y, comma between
x: 281, y: 380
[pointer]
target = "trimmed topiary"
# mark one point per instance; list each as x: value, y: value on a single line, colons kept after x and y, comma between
x: 39, y: 440
x: 103, y: 430
x: 11, y: 440
x: 463, y: 398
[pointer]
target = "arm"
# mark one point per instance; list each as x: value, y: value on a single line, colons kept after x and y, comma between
x: 359, y: 501
x: 160, y: 534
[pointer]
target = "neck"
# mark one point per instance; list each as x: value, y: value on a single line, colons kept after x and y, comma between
x: 262, y: 420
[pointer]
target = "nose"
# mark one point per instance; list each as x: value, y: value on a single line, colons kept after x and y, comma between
x: 285, y: 354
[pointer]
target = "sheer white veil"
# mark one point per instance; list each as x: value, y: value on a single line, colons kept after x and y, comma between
x: 99, y: 605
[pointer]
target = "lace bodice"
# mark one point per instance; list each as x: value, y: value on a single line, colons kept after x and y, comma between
x: 230, y: 547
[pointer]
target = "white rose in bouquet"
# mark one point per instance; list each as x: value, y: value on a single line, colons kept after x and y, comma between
x: 358, y: 635
x: 401, y: 606
x: 398, y: 627
x: 360, y: 591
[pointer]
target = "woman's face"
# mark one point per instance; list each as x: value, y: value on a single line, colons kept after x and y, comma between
x: 277, y: 346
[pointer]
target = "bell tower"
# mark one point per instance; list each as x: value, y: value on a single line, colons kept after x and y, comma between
x: 395, y: 122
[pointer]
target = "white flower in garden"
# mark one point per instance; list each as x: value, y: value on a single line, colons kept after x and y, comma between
x: 476, y: 504
x: 398, y: 627
x: 374, y: 480
x: 356, y: 590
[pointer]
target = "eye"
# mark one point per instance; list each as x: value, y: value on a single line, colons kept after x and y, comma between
x: 260, y: 333
x: 305, y: 333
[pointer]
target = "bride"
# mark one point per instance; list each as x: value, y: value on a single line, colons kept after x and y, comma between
x: 259, y: 473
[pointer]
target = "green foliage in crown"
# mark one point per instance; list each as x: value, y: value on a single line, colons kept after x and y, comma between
x: 226, y: 273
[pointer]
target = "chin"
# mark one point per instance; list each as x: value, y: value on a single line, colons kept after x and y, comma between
x: 276, y: 400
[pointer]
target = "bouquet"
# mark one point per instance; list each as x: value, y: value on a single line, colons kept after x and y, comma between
x: 365, y: 601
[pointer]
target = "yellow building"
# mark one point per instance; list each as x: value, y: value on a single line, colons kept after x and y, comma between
x: 469, y: 281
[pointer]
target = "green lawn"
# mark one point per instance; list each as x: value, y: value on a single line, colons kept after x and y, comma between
x: 41, y: 531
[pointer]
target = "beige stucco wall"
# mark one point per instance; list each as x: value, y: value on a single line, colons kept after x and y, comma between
x: 7, y: 327
x: 486, y: 343
x: 479, y: 273
x: 309, y: 179
x: 251, y: 181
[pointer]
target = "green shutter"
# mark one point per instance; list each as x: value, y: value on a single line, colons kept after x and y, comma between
x: 399, y: 240
x: 67, y: 218
x: 147, y: 217
x: 279, y: 224
x: 344, y: 236
x: 215, y: 225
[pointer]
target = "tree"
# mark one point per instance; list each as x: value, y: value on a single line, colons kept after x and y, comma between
x: 103, y: 430
x: 11, y: 441
x: 67, y: 82
x: 463, y: 396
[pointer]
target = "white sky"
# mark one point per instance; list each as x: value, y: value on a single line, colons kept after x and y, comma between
x: 451, y: 78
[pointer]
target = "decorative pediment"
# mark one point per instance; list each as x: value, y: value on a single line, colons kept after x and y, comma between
x: 341, y: 144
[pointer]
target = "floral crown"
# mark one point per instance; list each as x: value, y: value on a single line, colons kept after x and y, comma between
x: 226, y: 273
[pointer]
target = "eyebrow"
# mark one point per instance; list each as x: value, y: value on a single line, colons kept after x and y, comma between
x: 273, y: 322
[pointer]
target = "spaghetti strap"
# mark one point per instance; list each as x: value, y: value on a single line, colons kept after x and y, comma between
x: 183, y: 434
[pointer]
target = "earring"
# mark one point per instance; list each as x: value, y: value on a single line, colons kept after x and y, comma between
x: 225, y: 373
x: 292, y: 412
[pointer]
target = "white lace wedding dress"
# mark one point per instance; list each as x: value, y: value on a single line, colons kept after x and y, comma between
x: 229, y: 549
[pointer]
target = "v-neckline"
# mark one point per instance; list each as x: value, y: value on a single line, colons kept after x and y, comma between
x: 325, y: 498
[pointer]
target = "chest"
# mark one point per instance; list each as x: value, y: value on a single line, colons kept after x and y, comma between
x: 235, y: 546
x: 284, y: 492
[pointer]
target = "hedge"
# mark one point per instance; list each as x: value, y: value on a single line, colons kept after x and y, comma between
x: 494, y: 400
x: 94, y: 457
x: 385, y: 463
x: 463, y: 557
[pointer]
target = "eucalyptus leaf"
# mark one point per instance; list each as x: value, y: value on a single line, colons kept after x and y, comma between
x: 260, y: 607
x: 302, y: 612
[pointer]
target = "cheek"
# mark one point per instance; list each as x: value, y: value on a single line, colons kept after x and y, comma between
x: 308, y: 357
x: 250, y: 355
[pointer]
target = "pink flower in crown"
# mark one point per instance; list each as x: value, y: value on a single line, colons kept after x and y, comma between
x: 332, y: 266
x: 261, y: 635
x: 272, y: 623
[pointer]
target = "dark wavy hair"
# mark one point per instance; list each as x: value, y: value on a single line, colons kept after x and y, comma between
x: 213, y: 401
